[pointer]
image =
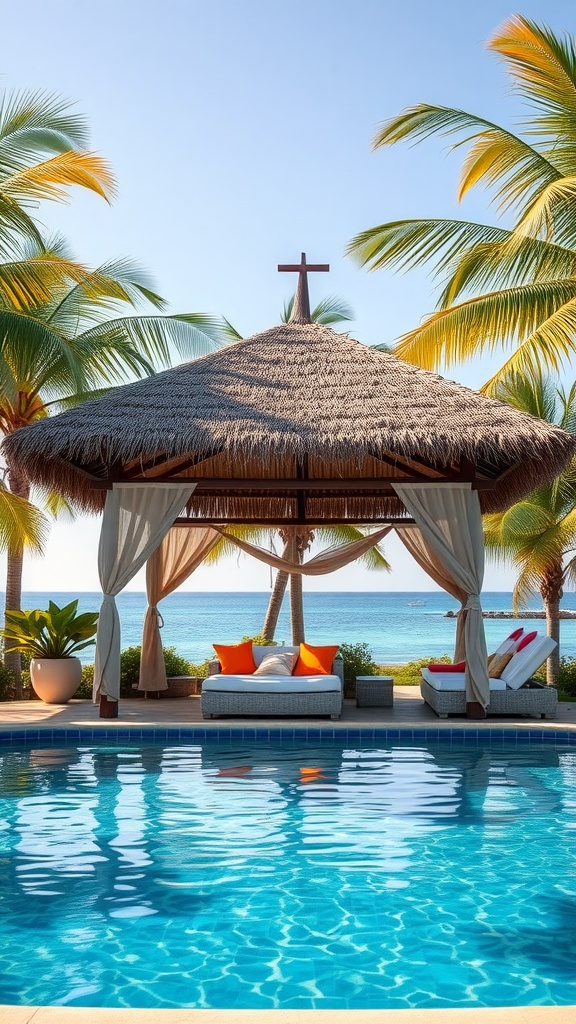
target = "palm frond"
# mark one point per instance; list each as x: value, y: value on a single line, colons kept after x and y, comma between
x: 34, y: 123
x: 22, y: 525
x: 330, y: 310
x: 149, y: 338
x: 549, y: 346
x: 30, y: 349
x: 551, y: 215
x: 543, y: 67
x: 229, y: 333
x: 15, y: 224
x: 374, y: 559
x: 495, y: 265
x: 508, y: 164
x: 53, y: 178
x: 412, y: 243
x: 491, y: 322
x: 32, y: 282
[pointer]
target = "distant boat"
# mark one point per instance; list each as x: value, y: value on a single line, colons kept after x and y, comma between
x: 416, y: 604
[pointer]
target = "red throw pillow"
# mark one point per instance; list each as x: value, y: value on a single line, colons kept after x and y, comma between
x: 235, y: 659
x: 516, y: 634
x: 459, y: 667
x: 315, y: 661
x: 526, y: 640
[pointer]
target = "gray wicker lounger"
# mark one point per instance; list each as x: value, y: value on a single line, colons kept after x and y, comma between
x: 530, y: 699
x: 514, y: 692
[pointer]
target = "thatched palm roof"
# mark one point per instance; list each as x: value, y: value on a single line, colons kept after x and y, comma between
x: 297, y: 402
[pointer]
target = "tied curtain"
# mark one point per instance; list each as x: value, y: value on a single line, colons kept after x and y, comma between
x: 182, y: 551
x: 450, y: 548
x: 175, y: 559
x: 136, y: 519
x: 332, y: 558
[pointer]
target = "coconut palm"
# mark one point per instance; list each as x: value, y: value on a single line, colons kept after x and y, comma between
x: 296, y: 541
x: 538, y: 534
x: 504, y: 287
x: 57, y: 351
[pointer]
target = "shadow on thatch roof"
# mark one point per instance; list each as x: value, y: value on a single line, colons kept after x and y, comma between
x: 298, y: 394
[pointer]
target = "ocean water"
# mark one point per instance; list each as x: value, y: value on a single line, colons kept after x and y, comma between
x: 395, y: 629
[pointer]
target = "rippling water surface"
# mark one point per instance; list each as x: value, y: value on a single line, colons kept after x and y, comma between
x: 287, y: 877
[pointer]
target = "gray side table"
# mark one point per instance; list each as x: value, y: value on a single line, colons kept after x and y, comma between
x: 374, y: 691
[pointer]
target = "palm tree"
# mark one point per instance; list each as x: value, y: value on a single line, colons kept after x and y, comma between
x: 296, y: 540
x: 505, y: 287
x: 57, y: 351
x: 539, y: 534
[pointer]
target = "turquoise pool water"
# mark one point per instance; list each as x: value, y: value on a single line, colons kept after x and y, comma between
x: 326, y: 877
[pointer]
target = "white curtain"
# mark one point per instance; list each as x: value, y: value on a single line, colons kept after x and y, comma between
x: 449, y: 519
x: 329, y: 560
x: 136, y: 518
x: 174, y: 560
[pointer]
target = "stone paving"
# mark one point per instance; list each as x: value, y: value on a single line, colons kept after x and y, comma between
x: 408, y: 711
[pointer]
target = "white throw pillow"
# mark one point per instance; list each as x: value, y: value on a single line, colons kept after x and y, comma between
x: 277, y: 665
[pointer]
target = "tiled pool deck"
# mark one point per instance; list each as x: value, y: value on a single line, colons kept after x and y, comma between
x: 180, y: 719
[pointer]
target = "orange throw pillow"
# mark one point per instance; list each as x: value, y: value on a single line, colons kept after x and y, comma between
x: 236, y: 659
x: 315, y: 661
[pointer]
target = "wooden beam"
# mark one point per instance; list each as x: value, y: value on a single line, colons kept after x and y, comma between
x: 380, y: 485
x: 184, y: 463
x: 312, y: 523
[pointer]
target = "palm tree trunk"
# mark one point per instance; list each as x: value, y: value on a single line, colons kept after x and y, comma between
x: 275, y: 604
x: 297, y: 608
x: 18, y: 485
x: 551, y: 590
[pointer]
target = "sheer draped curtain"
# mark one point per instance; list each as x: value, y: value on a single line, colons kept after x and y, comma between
x: 175, y: 559
x: 136, y: 518
x: 451, y: 549
x: 329, y: 560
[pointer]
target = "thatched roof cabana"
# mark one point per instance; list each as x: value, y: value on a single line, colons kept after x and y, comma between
x: 297, y: 426
x: 325, y: 420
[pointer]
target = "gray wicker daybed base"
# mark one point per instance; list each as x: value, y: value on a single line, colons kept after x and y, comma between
x: 221, y: 702
x: 533, y: 700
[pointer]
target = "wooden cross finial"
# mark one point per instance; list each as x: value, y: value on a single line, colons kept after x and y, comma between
x: 301, y: 308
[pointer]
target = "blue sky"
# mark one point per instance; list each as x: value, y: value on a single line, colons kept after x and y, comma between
x: 240, y: 135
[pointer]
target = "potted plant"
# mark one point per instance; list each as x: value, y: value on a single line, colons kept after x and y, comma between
x: 51, y: 638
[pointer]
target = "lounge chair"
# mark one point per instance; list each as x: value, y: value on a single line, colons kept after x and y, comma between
x: 278, y: 696
x: 514, y: 693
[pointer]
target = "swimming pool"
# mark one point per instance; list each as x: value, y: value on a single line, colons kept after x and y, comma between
x: 322, y: 877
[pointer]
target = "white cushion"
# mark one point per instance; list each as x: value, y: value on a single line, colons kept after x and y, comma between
x: 272, y: 684
x: 526, y: 662
x: 277, y: 665
x: 454, y: 680
x: 261, y: 652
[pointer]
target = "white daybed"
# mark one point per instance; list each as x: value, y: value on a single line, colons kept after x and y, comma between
x: 273, y: 695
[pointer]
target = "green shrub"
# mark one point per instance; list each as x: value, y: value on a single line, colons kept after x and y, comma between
x: 176, y: 665
x: 6, y: 684
x: 84, y: 691
x: 567, y: 676
x: 260, y: 640
x: 358, y: 661
x: 201, y: 670
x: 410, y: 674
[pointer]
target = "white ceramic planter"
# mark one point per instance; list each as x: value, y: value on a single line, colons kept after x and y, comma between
x: 55, y: 680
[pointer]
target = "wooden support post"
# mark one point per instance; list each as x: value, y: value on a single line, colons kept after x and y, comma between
x: 108, y: 707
